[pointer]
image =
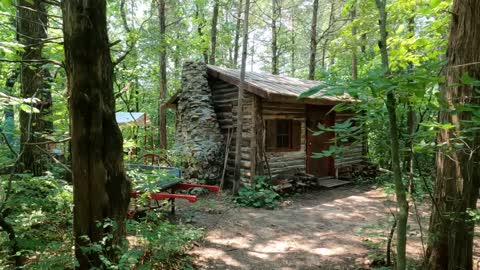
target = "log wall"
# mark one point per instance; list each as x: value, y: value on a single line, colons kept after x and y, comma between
x: 225, y: 99
x: 354, y: 153
x: 293, y: 161
x: 256, y: 111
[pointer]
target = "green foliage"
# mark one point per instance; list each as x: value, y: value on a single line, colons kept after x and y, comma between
x: 147, y: 180
x: 164, y: 242
x: 40, y: 210
x: 153, y: 244
x: 259, y: 195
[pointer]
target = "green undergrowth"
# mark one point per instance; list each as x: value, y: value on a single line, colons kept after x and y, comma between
x: 40, y: 211
x: 259, y: 195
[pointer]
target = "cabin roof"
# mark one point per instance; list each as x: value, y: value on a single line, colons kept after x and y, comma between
x: 276, y: 86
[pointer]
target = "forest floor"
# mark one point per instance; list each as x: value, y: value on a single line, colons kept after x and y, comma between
x: 342, y: 228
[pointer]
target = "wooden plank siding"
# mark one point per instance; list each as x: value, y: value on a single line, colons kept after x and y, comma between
x: 292, y: 161
x: 354, y: 153
x: 257, y: 110
x: 225, y: 100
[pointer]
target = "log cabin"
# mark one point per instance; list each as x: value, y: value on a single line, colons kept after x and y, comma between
x: 278, y: 126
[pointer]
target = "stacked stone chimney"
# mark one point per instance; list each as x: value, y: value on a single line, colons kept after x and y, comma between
x: 198, y: 139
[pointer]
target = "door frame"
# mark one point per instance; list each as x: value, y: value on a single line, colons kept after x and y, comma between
x: 308, y: 152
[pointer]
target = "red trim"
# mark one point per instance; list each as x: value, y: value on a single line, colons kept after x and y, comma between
x: 189, y: 186
x: 163, y: 196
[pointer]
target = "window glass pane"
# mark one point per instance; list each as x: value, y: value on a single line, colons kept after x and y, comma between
x: 283, y: 133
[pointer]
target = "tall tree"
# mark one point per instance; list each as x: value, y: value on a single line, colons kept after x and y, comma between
x: 32, y: 25
x: 213, y: 36
x: 101, y: 189
x: 354, y: 45
x: 313, y: 42
x: 293, y: 36
x: 458, y: 161
x: 391, y: 103
x: 9, y: 122
x: 162, y: 117
x: 276, y: 12
x: 200, y: 28
x: 236, y: 45
x: 411, y: 120
x: 238, y: 136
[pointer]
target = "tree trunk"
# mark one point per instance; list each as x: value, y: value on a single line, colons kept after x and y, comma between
x: 32, y: 25
x: 238, y: 137
x: 162, y: 117
x: 363, y: 47
x: 354, y: 46
x: 293, y: 36
x: 411, y: 122
x: 458, y: 174
x: 324, y: 52
x: 313, y: 42
x: 101, y: 189
x: 213, y: 37
x: 274, y: 45
x: 402, y: 213
x: 9, y: 122
x: 236, y: 45
x: 200, y: 33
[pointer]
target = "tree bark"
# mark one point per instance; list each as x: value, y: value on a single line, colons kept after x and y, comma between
x: 313, y: 42
x: 293, y: 36
x: 274, y: 45
x: 236, y: 45
x: 458, y: 174
x: 402, y: 213
x: 162, y: 80
x: 200, y: 27
x: 101, y: 189
x: 238, y: 137
x: 354, y: 46
x: 32, y: 25
x: 9, y: 122
x: 213, y: 37
x: 411, y: 122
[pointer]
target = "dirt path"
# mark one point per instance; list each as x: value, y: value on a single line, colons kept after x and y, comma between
x: 327, y: 229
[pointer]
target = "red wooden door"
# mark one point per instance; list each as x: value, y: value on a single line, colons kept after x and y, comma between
x: 316, y: 144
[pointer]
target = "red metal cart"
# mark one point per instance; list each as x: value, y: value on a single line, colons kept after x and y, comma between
x: 167, y: 191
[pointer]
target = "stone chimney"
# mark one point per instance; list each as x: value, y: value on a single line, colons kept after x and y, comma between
x: 198, y: 139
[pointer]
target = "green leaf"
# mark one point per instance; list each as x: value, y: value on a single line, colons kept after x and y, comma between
x: 467, y: 80
x: 434, y: 3
x: 312, y: 91
x: 28, y: 109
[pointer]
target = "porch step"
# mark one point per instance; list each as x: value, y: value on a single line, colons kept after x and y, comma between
x: 330, y: 182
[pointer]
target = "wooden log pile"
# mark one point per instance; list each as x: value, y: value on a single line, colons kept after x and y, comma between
x: 358, y: 171
x: 296, y: 183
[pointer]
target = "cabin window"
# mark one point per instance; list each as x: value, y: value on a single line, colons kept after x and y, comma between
x: 282, y: 135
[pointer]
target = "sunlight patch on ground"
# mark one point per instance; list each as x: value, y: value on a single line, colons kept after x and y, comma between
x: 345, y: 216
x: 329, y: 251
x: 220, y: 255
x: 236, y: 242
x: 274, y: 246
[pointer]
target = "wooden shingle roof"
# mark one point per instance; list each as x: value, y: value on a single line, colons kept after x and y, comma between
x: 276, y: 87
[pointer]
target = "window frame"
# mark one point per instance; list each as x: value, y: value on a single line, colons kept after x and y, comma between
x: 291, y: 147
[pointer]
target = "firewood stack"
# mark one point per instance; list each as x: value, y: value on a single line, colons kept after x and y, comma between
x: 297, y: 183
x: 358, y: 171
x: 300, y: 182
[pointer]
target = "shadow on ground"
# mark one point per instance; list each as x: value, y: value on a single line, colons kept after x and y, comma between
x: 317, y: 230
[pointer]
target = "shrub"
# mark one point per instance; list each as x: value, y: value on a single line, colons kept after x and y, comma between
x: 40, y: 210
x: 259, y: 195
